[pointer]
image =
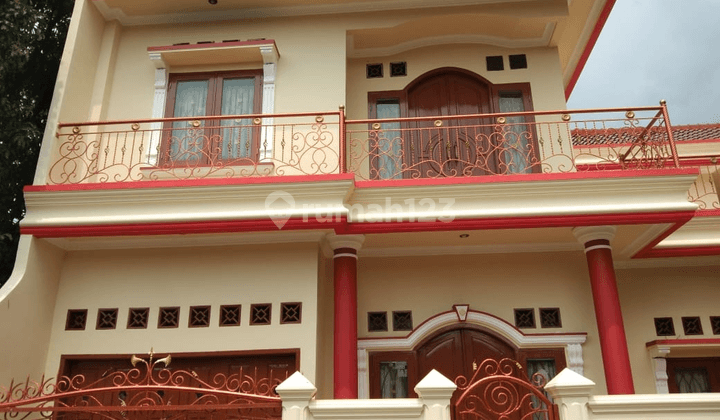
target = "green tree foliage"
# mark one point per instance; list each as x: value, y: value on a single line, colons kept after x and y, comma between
x: 32, y: 36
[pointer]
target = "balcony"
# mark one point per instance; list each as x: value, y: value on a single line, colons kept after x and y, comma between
x: 374, y: 150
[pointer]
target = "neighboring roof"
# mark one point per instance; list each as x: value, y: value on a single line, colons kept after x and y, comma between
x: 583, y: 137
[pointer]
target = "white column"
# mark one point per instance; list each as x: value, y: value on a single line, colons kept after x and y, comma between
x: 270, y: 56
x: 571, y: 392
x: 659, y: 361
x: 296, y: 393
x: 158, y: 111
x: 575, y: 358
x: 435, y: 391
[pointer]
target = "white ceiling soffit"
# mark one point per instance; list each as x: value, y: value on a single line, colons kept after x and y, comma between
x: 282, y: 11
x: 541, y: 41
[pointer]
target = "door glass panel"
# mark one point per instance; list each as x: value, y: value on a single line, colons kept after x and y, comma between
x: 389, y: 141
x: 393, y: 379
x: 546, y: 368
x: 237, y: 99
x: 187, y: 142
x: 516, y: 150
x: 691, y: 380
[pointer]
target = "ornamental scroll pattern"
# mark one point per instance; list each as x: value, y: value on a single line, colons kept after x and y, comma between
x: 474, y: 145
x: 500, y: 390
x: 149, y: 390
x: 177, y: 149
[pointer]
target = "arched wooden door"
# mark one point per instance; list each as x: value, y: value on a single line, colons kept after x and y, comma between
x: 456, y: 352
x: 459, y: 147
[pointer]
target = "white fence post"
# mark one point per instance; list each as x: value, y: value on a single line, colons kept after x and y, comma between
x: 435, y: 392
x: 296, y: 393
x: 571, y: 392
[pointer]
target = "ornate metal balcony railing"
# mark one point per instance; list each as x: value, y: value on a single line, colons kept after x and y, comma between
x: 198, y: 147
x: 372, y: 149
x: 511, y: 143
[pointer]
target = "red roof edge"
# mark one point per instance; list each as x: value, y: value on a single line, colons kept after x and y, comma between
x: 589, y: 46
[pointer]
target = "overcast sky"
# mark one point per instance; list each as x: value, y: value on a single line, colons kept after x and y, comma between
x: 656, y: 49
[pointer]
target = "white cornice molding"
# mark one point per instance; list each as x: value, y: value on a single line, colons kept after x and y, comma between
x: 206, y: 203
x: 287, y: 11
x: 503, y: 42
x: 699, y: 231
x: 655, y: 406
x: 584, y: 37
x: 406, y: 408
x: 643, y: 240
x: 558, y: 197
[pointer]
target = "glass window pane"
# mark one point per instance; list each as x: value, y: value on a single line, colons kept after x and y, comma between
x: 187, y: 143
x: 517, y: 148
x: 389, y: 141
x: 546, y: 368
x: 237, y: 99
x: 393, y: 379
x: 691, y: 380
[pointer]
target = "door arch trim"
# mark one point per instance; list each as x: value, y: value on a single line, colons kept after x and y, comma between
x: 570, y: 342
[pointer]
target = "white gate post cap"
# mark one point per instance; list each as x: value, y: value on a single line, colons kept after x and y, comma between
x: 569, y: 383
x: 296, y: 387
x: 435, y: 385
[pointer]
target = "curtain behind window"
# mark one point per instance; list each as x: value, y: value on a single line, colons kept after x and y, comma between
x: 238, y: 96
x: 187, y: 142
x: 517, y: 147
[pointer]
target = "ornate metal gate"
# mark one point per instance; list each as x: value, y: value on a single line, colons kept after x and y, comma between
x: 147, y: 391
x: 500, y: 390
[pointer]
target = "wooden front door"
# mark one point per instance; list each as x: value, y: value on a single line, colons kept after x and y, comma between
x: 457, y: 147
x: 454, y: 353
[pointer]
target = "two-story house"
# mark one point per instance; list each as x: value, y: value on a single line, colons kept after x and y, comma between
x: 362, y: 191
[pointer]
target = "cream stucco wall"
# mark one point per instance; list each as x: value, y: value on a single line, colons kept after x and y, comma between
x: 310, y: 70
x: 492, y: 283
x: 675, y: 292
x: 187, y: 277
x: 27, y: 303
x: 543, y: 72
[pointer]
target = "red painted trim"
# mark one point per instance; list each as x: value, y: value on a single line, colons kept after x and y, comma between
x: 192, y: 183
x: 589, y: 46
x: 521, y: 222
x: 684, y: 342
x: 696, y: 251
x: 214, y: 45
x: 341, y: 225
x: 707, y: 213
x: 613, y: 342
x: 345, y: 337
x: 643, y: 253
x: 526, y: 178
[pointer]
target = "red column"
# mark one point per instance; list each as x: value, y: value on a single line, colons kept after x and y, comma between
x: 613, y: 342
x: 345, y: 332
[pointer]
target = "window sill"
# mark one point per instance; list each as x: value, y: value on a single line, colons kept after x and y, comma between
x: 684, y: 347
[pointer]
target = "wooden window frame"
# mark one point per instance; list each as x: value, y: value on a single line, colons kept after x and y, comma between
x: 213, y: 105
x: 410, y: 357
x: 711, y: 364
